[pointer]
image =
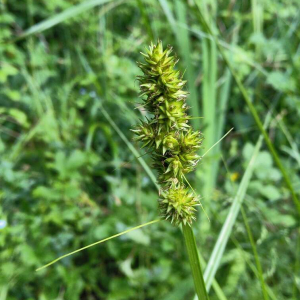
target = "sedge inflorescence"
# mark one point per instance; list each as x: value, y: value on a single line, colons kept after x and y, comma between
x: 168, y: 134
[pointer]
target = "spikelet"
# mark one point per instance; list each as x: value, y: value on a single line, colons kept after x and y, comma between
x: 178, y: 204
x: 167, y: 134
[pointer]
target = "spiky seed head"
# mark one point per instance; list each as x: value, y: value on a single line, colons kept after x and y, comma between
x: 168, y: 134
x: 170, y: 143
x: 178, y: 205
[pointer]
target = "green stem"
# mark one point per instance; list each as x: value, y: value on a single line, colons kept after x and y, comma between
x: 254, y: 249
x: 195, y: 262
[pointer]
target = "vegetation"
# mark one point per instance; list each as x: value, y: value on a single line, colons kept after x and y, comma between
x: 71, y: 173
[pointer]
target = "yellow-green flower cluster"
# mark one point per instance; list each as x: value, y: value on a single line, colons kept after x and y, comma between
x: 167, y: 134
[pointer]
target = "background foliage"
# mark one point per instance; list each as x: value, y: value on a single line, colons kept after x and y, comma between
x: 68, y: 179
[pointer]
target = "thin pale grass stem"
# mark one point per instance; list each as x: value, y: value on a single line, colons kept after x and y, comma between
x: 96, y: 243
x: 215, y: 144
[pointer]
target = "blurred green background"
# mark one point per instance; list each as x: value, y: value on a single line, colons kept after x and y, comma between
x: 68, y: 99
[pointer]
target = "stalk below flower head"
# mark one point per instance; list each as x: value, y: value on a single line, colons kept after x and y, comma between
x: 168, y: 134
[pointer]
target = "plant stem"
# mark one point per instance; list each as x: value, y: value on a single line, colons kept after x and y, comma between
x: 254, y: 249
x: 194, y: 262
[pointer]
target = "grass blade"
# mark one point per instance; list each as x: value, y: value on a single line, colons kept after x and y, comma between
x: 183, y: 39
x: 224, y: 235
x: 169, y: 15
x: 257, y: 20
x: 222, y: 100
x: 209, y: 99
x: 61, y: 17
x: 216, y: 143
x: 129, y: 145
x: 254, y: 249
x: 96, y: 243
x: 145, y: 19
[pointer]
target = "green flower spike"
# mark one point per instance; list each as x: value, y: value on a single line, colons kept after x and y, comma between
x: 167, y: 134
x: 178, y: 205
x: 145, y: 134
